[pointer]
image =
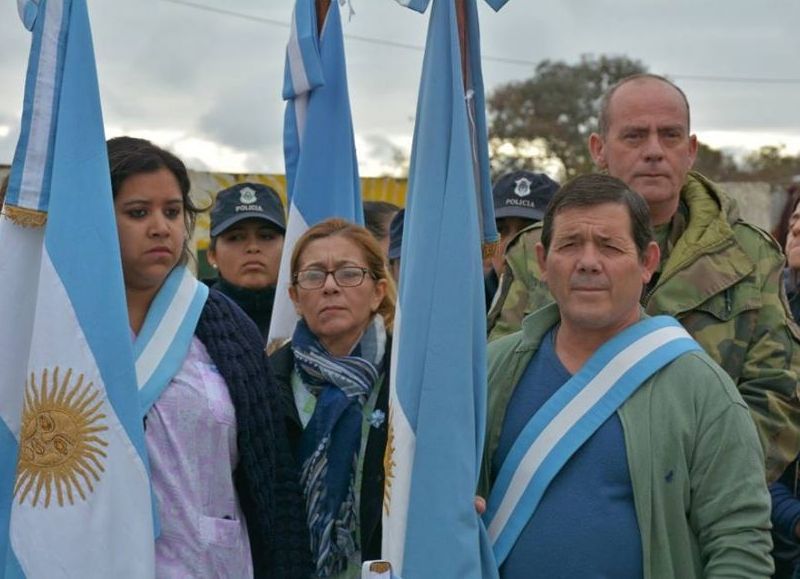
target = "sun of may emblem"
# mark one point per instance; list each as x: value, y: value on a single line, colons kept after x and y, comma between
x: 61, y: 448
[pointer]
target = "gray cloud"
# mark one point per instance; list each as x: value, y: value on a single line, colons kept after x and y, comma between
x: 167, y: 67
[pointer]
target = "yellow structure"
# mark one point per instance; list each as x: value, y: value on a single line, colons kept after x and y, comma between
x: 205, y: 186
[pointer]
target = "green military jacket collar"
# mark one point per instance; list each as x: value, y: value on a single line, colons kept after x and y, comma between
x: 688, y: 281
x: 723, y: 280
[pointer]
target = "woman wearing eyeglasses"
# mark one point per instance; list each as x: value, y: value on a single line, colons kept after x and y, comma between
x: 334, y: 374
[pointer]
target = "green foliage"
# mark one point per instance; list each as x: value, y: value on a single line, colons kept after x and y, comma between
x: 544, y: 122
x: 552, y: 114
x: 771, y: 163
x: 715, y: 164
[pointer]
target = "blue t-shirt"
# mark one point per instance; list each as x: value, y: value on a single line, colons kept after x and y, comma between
x: 585, y: 525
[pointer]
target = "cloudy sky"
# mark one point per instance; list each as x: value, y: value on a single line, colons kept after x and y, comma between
x: 208, y: 84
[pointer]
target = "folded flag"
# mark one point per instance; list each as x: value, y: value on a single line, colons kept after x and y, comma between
x: 319, y: 147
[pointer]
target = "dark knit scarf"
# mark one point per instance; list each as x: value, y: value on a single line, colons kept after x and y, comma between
x: 266, y: 479
x: 256, y: 303
x: 331, y: 441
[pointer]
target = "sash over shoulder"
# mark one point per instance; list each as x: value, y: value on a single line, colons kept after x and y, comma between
x: 162, y: 345
x: 571, y: 416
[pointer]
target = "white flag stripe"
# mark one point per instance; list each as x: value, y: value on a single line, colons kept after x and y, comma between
x: 300, y: 110
x: 571, y: 414
x: 151, y: 356
x: 123, y: 483
x: 37, y: 151
x: 403, y: 443
x: 19, y: 268
x: 296, y: 65
x: 284, y: 317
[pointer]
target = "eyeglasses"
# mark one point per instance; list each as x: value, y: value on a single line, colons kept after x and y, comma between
x: 348, y: 276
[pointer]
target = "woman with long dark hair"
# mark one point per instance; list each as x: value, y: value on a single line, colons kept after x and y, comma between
x: 226, y: 490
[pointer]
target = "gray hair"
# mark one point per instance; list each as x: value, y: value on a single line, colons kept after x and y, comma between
x: 604, y: 120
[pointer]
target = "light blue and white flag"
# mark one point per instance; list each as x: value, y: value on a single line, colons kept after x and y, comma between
x: 438, y: 399
x: 318, y: 143
x: 79, y: 495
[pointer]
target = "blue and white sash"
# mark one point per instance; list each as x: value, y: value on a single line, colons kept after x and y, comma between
x: 571, y: 416
x: 162, y: 344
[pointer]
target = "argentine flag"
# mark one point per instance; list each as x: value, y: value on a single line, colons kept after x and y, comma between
x: 73, y: 478
x: 438, y: 399
x: 318, y: 143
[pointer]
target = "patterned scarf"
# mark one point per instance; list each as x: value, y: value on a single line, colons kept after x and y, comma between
x: 331, y: 441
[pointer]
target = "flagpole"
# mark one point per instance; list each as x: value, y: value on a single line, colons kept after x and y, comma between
x: 489, y: 237
x: 463, y: 39
x: 322, y: 12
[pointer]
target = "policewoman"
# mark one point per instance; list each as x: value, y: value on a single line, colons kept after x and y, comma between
x: 247, y: 229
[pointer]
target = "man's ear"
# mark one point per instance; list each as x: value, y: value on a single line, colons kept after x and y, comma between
x: 541, y: 258
x: 693, y: 146
x: 597, y: 149
x: 650, y: 260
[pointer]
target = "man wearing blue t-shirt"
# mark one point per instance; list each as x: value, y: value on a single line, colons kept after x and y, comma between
x: 616, y: 447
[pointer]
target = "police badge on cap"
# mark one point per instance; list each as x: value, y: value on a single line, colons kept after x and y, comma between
x: 247, y: 196
x: 246, y: 201
x: 523, y: 188
x: 523, y: 194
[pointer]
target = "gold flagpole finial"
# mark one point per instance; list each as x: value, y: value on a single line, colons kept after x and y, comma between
x: 25, y: 217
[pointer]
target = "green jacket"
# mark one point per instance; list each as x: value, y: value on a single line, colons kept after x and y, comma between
x: 696, y: 466
x: 722, y: 280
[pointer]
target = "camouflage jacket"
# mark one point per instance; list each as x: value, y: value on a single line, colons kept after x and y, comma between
x: 722, y: 279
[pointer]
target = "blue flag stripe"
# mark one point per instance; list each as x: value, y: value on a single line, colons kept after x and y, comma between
x: 477, y: 115
x: 29, y: 180
x: 304, y: 69
x: 318, y: 142
x: 327, y: 118
x: 13, y: 569
x: 82, y: 201
x: 440, y: 366
x: 8, y: 469
x: 417, y: 5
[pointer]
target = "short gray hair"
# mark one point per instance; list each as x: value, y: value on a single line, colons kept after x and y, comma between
x: 604, y: 121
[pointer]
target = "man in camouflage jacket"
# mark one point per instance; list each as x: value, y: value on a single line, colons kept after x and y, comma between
x: 720, y: 276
